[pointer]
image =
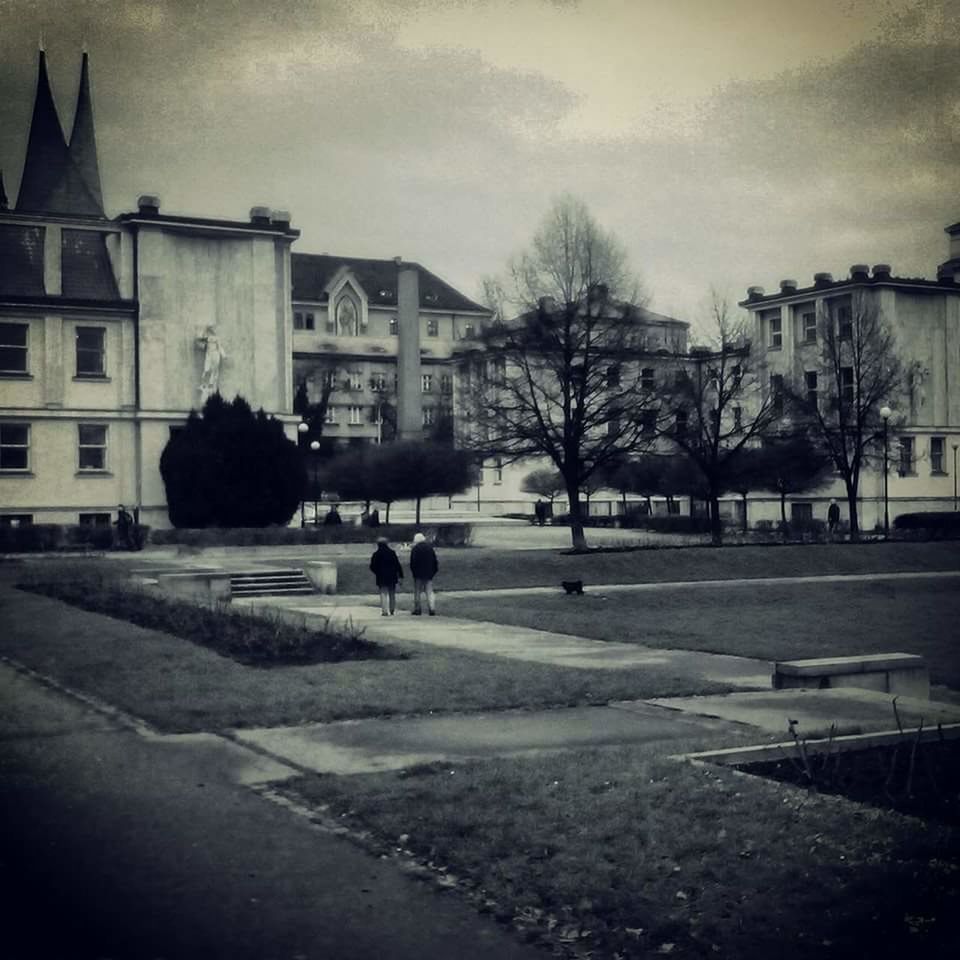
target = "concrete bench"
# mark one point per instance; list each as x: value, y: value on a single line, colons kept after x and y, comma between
x: 903, y: 674
x: 322, y: 574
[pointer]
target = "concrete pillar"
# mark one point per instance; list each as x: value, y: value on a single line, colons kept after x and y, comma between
x: 54, y: 375
x: 52, y: 279
x: 409, y: 399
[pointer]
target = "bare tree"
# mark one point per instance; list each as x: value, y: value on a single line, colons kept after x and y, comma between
x: 716, y: 408
x: 855, y: 372
x: 562, y: 380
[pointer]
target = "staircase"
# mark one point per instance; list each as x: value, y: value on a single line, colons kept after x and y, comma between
x: 269, y: 583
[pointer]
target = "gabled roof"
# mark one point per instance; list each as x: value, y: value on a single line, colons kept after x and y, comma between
x: 55, y: 178
x: 313, y: 272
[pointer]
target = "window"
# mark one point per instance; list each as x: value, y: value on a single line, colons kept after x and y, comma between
x: 355, y: 380
x: 808, y: 321
x: 648, y: 421
x: 16, y: 519
x: 906, y: 456
x: 14, y: 446
x: 426, y: 383
x: 801, y: 511
x: 446, y: 383
x: 844, y: 322
x: 774, y: 333
x: 736, y: 373
x: 331, y: 415
x: 303, y: 321
x: 613, y: 377
x: 498, y: 470
x: 297, y: 320
x: 378, y: 383
x: 937, y: 446
x: 394, y: 327
x: 469, y: 330
x: 90, y: 352
x: 776, y: 393
x: 328, y: 379
x: 429, y: 416
x: 737, y: 419
x: 14, y: 347
x: 94, y: 519
x: 810, y: 387
x: 92, y: 446
x: 646, y: 378
x: 346, y: 317
x: 354, y: 415
x: 433, y: 327
x: 846, y: 385
x: 680, y: 421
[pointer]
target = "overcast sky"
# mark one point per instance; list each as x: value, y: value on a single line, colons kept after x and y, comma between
x: 726, y: 142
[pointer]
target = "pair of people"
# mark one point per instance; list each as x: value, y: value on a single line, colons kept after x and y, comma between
x: 385, y: 565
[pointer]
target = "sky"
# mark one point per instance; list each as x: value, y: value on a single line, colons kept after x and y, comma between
x: 725, y: 142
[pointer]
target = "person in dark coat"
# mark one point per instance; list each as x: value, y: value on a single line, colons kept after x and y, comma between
x: 386, y: 568
x: 124, y: 525
x: 540, y: 512
x: 833, y: 517
x: 333, y: 517
x: 424, y: 567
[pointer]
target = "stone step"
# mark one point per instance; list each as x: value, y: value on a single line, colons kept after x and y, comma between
x: 269, y: 583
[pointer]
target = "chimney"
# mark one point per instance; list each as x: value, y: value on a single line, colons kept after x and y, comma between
x: 409, y: 398
x: 881, y: 271
x: 754, y: 293
x: 260, y: 216
x: 281, y: 218
x: 860, y: 271
x: 788, y: 286
x: 148, y: 204
x: 822, y: 279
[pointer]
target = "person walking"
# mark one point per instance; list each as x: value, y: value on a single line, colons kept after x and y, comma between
x: 424, y: 566
x: 124, y: 525
x: 540, y: 511
x: 833, y: 518
x: 386, y: 568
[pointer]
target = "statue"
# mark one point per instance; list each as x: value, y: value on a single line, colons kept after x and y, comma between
x: 917, y: 374
x: 213, y: 357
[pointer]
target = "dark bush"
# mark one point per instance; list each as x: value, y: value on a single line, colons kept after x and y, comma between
x: 672, y: 523
x: 32, y: 538
x: 446, y: 535
x: 937, y: 525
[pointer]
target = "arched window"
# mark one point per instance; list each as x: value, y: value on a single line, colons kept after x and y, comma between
x: 346, y: 317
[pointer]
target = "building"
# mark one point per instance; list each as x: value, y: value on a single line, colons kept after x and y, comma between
x: 924, y: 424
x: 113, y: 329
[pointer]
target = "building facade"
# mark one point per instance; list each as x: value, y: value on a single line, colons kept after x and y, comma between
x: 923, y: 428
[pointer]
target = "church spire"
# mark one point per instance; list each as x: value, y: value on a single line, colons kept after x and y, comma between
x: 47, y: 156
x: 57, y: 178
x: 83, y: 142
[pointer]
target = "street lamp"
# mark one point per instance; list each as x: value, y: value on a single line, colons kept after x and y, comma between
x: 314, y: 447
x: 886, y: 413
x: 302, y: 429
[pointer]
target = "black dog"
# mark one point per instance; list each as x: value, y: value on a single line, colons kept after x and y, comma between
x: 572, y: 586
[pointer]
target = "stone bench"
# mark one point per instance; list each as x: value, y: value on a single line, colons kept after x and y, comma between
x: 322, y: 574
x: 902, y: 674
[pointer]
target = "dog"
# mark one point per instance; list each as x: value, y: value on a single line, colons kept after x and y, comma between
x: 572, y: 586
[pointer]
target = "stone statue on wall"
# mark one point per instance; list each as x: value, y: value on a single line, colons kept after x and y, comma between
x: 916, y: 380
x: 213, y: 357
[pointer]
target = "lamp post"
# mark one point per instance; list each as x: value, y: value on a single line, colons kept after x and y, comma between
x: 314, y: 447
x: 886, y: 413
x: 302, y: 429
x: 955, y: 476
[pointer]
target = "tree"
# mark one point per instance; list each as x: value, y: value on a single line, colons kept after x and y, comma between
x: 544, y: 483
x: 854, y: 374
x: 229, y: 467
x: 562, y: 380
x: 314, y: 414
x: 717, y: 408
x: 791, y: 464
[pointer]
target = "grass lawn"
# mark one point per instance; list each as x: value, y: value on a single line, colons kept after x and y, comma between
x: 629, y: 854
x: 180, y: 686
x: 770, y: 621
x: 485, y: 568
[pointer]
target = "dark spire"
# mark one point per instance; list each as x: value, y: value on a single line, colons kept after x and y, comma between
x: 47, y: 155
x: 4, y: 203
x: 83, y: 142
x: 58, y: 179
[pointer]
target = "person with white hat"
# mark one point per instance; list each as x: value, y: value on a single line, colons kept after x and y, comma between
x: 424, y: 567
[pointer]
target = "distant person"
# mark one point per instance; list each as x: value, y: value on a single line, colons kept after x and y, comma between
x: 333, y: 517
x: 386, y: 568
x: 540, y: 512
x: 374, y: 520
x: 424, y: 567
x: 833, y: 517
x: 124, y: 526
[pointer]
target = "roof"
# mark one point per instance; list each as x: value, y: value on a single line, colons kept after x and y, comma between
x: 378, y: 278
x: 818, y: 289
x: 247, y: 226
x: 21, y: 260
x: 85, y: 267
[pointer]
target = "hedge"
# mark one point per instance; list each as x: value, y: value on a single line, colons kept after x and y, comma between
x: 933, y: 524
x: 44, y: 537
x: 445, y: 535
